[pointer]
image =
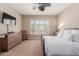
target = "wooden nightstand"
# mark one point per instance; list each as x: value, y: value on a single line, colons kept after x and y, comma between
x: 24, y: 35
x: 0, y: 51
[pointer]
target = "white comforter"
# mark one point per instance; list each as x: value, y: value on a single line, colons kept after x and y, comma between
x: 58, y: 47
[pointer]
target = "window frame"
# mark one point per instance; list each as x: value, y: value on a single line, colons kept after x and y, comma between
x: 39, y: 20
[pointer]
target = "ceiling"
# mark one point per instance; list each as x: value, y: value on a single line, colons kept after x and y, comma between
x: 27, y: 8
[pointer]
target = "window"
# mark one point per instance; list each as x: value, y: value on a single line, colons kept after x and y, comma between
x: 39, y: 26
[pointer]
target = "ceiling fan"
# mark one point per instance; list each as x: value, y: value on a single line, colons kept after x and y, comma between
x: 41, y: 6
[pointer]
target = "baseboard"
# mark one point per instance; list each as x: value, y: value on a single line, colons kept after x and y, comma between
x: 33, y: 38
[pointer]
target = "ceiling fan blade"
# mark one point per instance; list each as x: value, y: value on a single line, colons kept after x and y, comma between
x: 46, y: 4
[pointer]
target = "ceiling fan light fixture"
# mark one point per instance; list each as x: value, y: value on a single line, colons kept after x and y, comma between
x: 42, y: 8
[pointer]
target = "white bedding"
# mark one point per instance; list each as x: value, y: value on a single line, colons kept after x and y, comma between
x: 57, y: 47
x: 66, y: 43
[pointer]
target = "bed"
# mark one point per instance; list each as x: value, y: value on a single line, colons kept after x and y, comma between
x: 64, y: 44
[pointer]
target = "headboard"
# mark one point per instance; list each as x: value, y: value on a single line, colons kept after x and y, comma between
x: 71, y: 28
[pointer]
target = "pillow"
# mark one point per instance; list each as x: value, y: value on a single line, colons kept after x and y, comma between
x: 67, y: 35
x: 75, y: 31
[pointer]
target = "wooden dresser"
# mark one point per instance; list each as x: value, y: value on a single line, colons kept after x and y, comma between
x: 10, y: 40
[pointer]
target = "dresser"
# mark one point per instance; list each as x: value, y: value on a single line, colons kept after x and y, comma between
x: 10, y: 40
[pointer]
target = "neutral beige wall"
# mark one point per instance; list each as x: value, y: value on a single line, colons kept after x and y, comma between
x: 70, y: 17
x: 53, y: 23
x: 6, y: 8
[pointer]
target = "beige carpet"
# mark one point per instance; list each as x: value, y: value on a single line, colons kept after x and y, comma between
x: 26, y: 48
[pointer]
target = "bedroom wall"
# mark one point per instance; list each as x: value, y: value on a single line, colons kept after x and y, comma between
x: 53, y: 23
x: 6, y: 8
x: 70, y: 17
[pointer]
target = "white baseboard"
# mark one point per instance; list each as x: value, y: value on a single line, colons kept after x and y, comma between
x: 33, y: 38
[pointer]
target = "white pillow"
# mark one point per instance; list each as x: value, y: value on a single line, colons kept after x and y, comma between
x: 67, y: 35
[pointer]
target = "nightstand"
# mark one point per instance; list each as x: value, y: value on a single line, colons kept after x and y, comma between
x: 24, y: 35
x: 0, y: 51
